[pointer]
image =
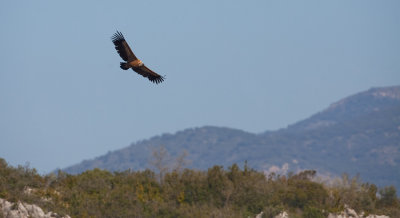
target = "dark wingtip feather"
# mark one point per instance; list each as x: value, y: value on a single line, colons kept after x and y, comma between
x: 117, y: 37
x: 157, y: 80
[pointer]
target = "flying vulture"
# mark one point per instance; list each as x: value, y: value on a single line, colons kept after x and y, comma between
x: 132, y: 61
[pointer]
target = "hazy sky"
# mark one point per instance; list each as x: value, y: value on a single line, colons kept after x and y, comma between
x: 251, y: 65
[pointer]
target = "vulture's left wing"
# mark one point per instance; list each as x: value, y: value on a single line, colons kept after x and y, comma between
x: 146, y: 72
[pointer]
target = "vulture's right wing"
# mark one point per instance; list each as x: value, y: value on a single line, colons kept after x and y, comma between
x: 122, y: 47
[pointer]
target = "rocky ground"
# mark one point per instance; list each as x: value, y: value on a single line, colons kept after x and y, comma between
x: 348, y: 212
x: 24, y: 210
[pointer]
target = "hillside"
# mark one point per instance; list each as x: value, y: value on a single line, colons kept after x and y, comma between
x: 359, y: 134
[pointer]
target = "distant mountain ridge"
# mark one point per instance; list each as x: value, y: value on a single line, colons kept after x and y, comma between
x: 358, y: 134
x: 348, y: 108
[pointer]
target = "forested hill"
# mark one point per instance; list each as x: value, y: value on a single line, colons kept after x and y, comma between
x: 358, y: 134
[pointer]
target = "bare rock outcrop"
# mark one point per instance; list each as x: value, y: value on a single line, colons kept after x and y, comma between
x: 283, y: 214
x: 348, y: 212
x: 24, y: 210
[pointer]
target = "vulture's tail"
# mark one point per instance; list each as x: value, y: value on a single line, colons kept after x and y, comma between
x: 124, y: 66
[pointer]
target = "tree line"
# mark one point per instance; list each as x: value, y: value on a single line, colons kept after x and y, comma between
x: 216, y: 192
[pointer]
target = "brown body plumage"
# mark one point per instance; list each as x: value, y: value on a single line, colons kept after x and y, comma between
x: 132, y: 61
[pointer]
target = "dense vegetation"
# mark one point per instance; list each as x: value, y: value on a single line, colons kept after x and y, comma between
x: 216, y: 192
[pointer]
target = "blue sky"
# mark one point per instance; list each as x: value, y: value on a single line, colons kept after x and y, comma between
x: 250, y: 65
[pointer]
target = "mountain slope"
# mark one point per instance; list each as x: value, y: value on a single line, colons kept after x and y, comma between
x: 358, y: 134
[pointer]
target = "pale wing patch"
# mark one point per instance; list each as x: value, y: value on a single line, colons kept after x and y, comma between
x: 136, y: 63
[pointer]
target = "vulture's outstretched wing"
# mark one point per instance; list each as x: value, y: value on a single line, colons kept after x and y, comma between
x: 146, y: 72
x: 122, y: 47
